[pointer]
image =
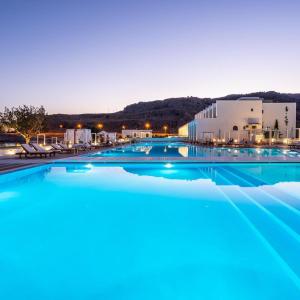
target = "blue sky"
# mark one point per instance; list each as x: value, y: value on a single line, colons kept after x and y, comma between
x: 98, y: 56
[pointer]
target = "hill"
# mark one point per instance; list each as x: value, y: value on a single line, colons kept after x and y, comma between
x: 172, y: 112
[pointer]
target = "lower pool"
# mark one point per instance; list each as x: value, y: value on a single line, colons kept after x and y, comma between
x: 181, y: 149
x: 150, y: 231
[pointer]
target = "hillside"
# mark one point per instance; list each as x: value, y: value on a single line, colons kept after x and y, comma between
x: 173, y: 112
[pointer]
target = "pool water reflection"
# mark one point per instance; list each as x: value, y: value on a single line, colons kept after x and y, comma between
x: 180, y: 149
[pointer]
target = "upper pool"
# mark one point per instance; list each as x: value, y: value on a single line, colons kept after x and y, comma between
x: 181, y: 149
x: 150, y: 231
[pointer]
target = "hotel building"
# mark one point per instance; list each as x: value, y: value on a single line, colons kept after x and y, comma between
x: 248, y: 119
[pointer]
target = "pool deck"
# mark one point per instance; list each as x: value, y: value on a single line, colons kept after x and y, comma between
x: 8, y: 164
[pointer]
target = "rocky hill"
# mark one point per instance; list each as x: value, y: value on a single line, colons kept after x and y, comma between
x: 172, y: 112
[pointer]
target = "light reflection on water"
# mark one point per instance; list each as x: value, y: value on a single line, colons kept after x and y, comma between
x: 180, y: 149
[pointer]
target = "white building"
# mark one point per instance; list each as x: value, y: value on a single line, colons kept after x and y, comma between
x: 135, y: 133
x: 246, y: 119
x: 77, y: 136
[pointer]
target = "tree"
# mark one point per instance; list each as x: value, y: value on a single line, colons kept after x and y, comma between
x: 26, y: 121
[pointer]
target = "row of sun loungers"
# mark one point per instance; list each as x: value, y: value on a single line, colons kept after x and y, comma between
x: 35, y: 150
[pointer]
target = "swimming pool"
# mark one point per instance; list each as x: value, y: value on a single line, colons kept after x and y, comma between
x: 181, y: 149
x: 150, y: 231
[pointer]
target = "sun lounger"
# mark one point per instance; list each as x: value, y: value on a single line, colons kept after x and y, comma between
x: 59, y: 149
x: 66, y: 148
x: 295, y: 145
x: 40, y: 149
x: 28, y: 151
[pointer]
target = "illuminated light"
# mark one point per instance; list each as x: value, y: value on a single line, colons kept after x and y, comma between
x: 89, y: 166
x: 147, y: 125
x: 214, y: 140
x: 285, y: 141
x: 165, y: 149
x: 100, y: 126
x: 258, y: 151
x: 236, y: 151
x: 165, y: 128
x: 79, y: 126
x: 223, y: 140
x: 168, y: 166
x: 235, y: 140
x: 61, y: 126
x: 123, y: 127
x: 10, y: 152
x: 285, y: 151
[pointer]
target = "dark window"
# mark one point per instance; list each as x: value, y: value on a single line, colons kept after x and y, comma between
x: 235, y: 128
x: 262, y: 111
x: 253, y: 126
x: 147, y: 135
x: 251, y: 109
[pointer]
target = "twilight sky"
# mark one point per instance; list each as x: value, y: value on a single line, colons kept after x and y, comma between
x: 98, y: 56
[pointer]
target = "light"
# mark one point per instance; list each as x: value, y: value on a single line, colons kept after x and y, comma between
x: 147, y: 125
x: 61, y: 126
x: 123, y: 127
x: 89, y: 166
x: 79, y: 126
x: 286, y: 141
x: 100, y: 126
x: 165, y: 128
x: 223, y: 140
x: 168, y: 166
x: 235, y: 140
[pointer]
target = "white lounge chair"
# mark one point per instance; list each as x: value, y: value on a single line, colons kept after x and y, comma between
x: 28, y: 151
x: 40, y: 149
x: 65, y: 148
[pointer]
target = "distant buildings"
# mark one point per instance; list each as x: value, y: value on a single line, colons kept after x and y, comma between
x: 135, y: 133
x: 247, y: 119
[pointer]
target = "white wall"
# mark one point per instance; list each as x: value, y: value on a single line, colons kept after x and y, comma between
x: 277, y: 111
x: 230, y: 113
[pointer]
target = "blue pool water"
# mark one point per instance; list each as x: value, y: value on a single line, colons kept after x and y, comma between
x: 181, y: 149
x: 150, y: 231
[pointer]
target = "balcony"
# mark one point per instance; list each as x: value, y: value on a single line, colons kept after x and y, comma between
x: 253, y: 121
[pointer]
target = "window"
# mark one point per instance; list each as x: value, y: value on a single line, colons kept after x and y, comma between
x: 253, y: 126
x: 262, y: 111
x: 251, y: 109
x: 235, y: 128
